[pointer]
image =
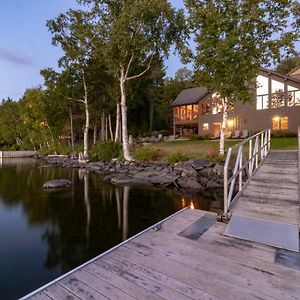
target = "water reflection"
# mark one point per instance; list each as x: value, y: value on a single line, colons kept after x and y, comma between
x: 45, y: 233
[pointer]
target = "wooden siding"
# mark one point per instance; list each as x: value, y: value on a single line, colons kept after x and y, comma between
x: 248, y: 117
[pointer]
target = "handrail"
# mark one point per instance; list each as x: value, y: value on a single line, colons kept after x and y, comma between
x: 259, y: 147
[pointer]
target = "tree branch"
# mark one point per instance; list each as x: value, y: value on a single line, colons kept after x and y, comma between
x: 128, y: 66
x: 142, y: 73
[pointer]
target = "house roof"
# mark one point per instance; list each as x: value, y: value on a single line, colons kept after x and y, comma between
x: 190, y: 96
x: 194, y: 95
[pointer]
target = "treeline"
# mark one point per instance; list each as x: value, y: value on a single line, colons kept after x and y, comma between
x: 111, y: 75
x: 111, y: 80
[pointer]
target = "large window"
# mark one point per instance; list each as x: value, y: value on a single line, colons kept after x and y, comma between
x: 186, y: 113
x: 205, y: 108
x: 277, y: 90
x: 262, y: 92
x: 293, y: 96
x: 280, y: 123
x: 216, y: 104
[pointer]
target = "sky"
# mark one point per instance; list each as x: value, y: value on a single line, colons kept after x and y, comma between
x: 25, y: 43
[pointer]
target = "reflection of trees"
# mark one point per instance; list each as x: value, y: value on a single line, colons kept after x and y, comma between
x: 277, y: 99
x: 87, y: 219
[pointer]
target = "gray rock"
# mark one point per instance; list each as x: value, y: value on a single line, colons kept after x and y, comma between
x: 199, y: 164
x: 189, y: 184
x: 58, y: 183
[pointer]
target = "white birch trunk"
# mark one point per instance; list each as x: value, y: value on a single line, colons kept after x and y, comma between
x: 103, y: 126
x: 87, y: 122
x: 125, y: 141
x: 110, y: 128
x: 223, y: 126
x: 118, y: 123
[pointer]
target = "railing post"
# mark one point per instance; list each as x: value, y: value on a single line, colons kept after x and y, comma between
x: 241, y: 170
x: 256, y: 152
x: 261, y: 146
x: 250, y: 157
x: 225, y: 190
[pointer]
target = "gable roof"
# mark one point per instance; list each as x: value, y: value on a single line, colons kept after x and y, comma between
x: 190, y: 96
x: 194, y: 95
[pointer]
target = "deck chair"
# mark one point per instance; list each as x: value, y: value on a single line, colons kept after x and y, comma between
x: 236, y: 134
x: 245, y: 134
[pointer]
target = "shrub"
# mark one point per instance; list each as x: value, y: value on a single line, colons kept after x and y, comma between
x: 145, y: 154
x: 176, y: 157
x: 105, y: 151
x: 280, y: 134
x: 196, y: 137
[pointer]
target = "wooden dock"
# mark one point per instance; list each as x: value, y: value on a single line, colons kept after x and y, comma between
x: 186, y: 257
x: 273, y: 192
x: 267, y: 211
x: 17, y: 154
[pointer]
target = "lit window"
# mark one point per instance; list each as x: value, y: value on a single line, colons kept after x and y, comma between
x: 205, y: 126
x: 276, y: 123
x: 284, y: 123
x: 204, y: 108
x: 189, y: 110
x: 280, y: 123
x: 195, y: 108
x: 230, y: 123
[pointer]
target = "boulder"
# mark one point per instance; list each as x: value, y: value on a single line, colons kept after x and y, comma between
x: 58, y: 183
x: 199, y: 164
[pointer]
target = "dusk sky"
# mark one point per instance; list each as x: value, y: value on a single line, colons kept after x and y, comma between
x: 25, y: 43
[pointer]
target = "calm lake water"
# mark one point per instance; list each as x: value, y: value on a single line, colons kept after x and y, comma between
x: 44, y: 234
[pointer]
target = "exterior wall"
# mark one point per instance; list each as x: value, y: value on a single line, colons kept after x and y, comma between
x: 246, y: 116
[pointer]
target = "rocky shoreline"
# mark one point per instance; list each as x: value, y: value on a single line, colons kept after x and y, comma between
x: 194, y: 175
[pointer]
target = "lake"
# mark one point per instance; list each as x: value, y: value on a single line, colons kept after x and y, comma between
x: 45, y: 233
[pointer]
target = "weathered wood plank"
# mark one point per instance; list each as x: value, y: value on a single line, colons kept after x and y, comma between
x: 80, y: 289
x: 118, y: 281
x: 40, y: 296
x: 106, y: 289
x: 57, y: 292
x: 139, y: 279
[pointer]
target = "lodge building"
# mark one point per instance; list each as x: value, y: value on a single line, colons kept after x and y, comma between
x: 275, y: 105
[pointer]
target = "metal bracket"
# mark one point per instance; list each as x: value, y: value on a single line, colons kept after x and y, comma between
x: 224, y: 217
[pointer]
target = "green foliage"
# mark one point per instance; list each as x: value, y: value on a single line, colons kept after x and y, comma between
x: 281, y: 134
x: 145, y: 154
x: 105, y: 151
x: 195, y: 137
x: 176, y: 157
x: 288, y: 64
x: 234, y: 38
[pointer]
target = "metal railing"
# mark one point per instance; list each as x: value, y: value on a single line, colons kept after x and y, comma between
x: 246, y: 161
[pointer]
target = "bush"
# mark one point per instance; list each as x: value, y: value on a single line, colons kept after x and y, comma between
x: 280, y: 134
x: 176, y: 157
x: 145, y: 154
x: 196, y: 137
x: 105, y: 151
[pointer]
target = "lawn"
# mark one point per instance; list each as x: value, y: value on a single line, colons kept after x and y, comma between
x: 208, y: 149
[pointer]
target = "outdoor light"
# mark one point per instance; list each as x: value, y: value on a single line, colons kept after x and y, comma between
x: 230, y: 123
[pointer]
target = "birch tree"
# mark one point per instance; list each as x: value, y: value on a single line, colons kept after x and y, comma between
x: 134, y: 32
x: 234, y: 38
x: 73, y: 34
